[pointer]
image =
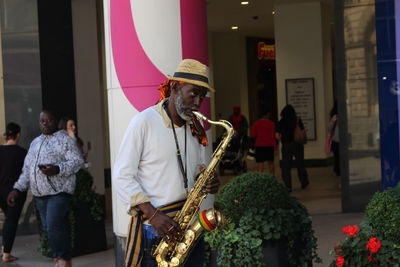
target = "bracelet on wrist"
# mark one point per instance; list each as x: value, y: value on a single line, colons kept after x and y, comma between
x: 152, y: 216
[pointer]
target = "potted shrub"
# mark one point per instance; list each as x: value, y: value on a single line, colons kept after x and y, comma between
x: 263, y: 221
x: 86, y: 219
x: 376, y: 241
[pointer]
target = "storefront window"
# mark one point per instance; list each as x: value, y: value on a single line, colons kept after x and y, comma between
x: 358, y: 102
x: 21, y: 65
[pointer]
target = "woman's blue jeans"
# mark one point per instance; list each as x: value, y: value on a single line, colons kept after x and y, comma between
x: 54, y: 212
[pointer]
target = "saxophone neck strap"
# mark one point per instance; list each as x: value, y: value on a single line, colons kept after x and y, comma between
x: 178, y: 151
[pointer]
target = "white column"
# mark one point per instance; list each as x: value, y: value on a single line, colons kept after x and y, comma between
x: 145, y: 41
x: 89, y: 91
x: 303, y: 50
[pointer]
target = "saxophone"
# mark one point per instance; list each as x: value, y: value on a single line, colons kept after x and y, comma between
x: 171, y: 253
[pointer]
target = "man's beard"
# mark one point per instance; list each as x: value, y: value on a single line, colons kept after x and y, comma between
x: 181, y: 108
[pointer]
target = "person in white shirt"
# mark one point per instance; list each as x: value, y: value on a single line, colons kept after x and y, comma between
x: 148, y: 174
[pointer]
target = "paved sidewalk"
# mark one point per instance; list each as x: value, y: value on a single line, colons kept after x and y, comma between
x: 25, y: 248
x: 327, y: 228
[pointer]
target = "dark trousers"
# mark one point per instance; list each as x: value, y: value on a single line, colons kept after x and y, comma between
x: 151, y: 239
x: 54, y: 211
x: 12, y: 214
x: 296, y: 151
x: 336, y: 157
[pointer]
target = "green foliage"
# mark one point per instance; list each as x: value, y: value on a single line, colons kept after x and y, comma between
x: 84, y: 193
x: 261, y: 212
x: 251, y: 190
x: 355, y: 252
x: 383, y: 212
x: 382, y: 221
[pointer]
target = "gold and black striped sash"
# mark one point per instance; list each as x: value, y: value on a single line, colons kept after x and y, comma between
x: 133, y: 253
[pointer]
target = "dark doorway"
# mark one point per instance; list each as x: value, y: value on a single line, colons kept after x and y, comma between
x: 57, y: 56
x: 261, y: 78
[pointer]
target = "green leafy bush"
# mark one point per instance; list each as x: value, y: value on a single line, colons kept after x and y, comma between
x: 355, y: 250
x: 383, y: 212
x: 260, y: 212
x: 251, y: 191
x: 376, y: 242
x: 84, y: 193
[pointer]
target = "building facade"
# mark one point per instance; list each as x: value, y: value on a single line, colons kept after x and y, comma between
x: 101, y: 62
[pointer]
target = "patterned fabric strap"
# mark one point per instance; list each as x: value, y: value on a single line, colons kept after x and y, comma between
x: 133, y: 254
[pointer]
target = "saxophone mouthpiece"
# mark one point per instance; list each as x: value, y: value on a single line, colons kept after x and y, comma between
x: 199, y: 115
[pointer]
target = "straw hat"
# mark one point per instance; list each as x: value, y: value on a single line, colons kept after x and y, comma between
x: 192, y: 71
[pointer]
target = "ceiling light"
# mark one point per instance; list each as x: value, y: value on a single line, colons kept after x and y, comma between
x: 273, y: 12
x: 234, y: 27
x: 243, y: 3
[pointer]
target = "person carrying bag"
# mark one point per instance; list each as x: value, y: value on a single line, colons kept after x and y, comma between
x: 300, y: 135
x: 292, y: 135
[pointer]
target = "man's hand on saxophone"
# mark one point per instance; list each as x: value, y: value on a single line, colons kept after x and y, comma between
x: 164, y: 225
x: 212, y: 186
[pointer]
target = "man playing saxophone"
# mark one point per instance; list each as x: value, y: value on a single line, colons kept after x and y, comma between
x: 160, y: 155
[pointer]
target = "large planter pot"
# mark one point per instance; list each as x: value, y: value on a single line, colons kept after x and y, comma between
x: 275, y: 255
x: 90, y: 235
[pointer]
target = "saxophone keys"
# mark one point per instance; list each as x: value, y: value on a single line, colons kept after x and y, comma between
x: 182, y: 248
x: 175, y: 261
x: 186, y: 219
x: 163, y: 264
x: 189, y: 236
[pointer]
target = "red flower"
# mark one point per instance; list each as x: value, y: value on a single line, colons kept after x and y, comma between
x: 339, y: 261
x: 350, y: 230
x: 373, y: 245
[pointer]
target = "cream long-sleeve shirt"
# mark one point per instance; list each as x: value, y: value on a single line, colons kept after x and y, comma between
x: 147, y: 168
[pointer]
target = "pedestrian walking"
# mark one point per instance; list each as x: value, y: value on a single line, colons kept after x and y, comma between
x: 11, y: 161
x: 49, y: 171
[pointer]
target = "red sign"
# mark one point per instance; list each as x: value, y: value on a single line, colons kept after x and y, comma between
x: 265, y: 51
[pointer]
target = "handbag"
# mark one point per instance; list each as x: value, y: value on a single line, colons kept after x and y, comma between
x: 300, y: 135
x: 328, y: 143
x: 329, y: 138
